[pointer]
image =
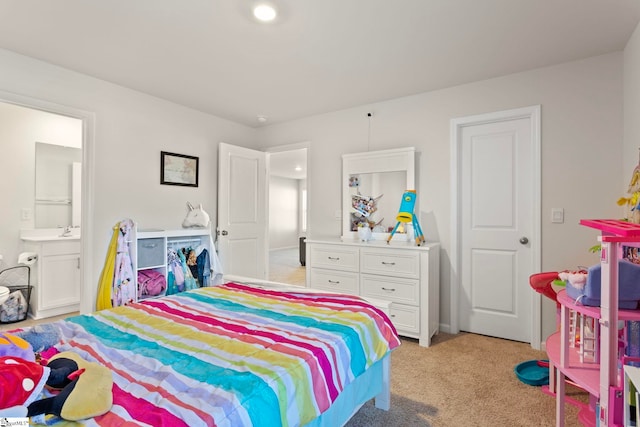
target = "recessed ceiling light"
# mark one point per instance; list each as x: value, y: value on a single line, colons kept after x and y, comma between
x: 262, y: 119
x: 298, y: 168
x: 264, y: 12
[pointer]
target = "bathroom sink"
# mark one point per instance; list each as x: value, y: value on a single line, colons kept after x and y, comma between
x: 49, y: 234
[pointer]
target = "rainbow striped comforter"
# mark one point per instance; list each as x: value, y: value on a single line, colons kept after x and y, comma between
x: 231, y: 355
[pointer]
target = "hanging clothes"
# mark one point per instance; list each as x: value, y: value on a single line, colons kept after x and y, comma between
x: 103, y: 299
x: 216, y: 265
x: 124, y: 285
x: 189, y: 280
x: 203, y: 265
x: 192, y: 261
x: 175, y: 282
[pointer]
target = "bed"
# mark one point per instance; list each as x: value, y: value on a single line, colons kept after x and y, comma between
x: 238, y: 355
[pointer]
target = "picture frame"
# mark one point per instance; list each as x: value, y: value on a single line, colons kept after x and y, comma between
x: 178, y: 169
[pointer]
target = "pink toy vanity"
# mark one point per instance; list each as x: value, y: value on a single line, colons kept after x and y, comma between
x: 601, y: 373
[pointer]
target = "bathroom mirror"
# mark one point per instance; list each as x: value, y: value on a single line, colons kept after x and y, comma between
x: 373, y: 184
x: 58, y: 171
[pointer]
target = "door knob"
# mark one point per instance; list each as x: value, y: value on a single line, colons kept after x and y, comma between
x: 524, y: 240
x: 225, y: 232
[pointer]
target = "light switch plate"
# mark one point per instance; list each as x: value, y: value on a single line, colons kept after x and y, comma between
x: 557, y: 215
x: 25, y: 214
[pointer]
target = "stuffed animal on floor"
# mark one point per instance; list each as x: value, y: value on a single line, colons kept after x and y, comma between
x: 85, y: 389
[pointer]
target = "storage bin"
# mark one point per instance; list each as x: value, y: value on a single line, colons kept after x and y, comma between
x: 151, y: 252
x: 14, y: 307
x: 628, y: 286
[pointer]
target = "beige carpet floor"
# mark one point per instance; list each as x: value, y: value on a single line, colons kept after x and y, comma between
x: 464, y: 380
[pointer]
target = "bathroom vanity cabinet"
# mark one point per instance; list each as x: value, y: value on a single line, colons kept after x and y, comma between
x: 55, y: 275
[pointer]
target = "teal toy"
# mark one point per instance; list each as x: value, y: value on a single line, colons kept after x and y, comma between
x: 406, y: 215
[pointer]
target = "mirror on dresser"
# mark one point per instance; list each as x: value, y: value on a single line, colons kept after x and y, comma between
x: 372, y: 186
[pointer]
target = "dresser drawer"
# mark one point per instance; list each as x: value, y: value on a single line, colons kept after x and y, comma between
x: 405, y: 318
x: 390, y: 263
x: 335, y: 281
x: 151, y: 252
x: 334, y: 257
x: 405, y: 291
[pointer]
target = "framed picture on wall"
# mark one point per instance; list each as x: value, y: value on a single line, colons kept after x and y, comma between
x: 178, y: 169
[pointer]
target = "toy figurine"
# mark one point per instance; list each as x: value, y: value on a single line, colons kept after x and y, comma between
x: 406, y: 215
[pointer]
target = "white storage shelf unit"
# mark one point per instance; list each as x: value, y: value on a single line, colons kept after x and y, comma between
x: 149, y: 249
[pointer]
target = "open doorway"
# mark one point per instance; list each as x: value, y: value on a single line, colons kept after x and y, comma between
x: 288, y: 201
x: 36, y: 211
x: 44, y: 159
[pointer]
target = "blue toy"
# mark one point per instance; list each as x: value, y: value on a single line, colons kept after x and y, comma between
x: 41, y: 337
x: 406, y: 215
x: 14, y: 346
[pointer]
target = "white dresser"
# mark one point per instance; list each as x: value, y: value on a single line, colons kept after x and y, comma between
x: 402, y: 273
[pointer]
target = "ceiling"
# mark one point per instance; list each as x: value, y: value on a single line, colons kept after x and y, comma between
x: 318, y: 56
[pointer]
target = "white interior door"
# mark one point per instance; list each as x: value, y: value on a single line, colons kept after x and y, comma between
x: 497, y: 227
x: 242, y: 211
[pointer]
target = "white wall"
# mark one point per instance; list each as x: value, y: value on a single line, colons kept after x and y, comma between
x: 631, y: 151
x: 283, y: 213
x: 581, y: 151
x: 131, y: 129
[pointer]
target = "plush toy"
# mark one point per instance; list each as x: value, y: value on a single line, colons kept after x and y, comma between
x: 12, y: 345
x: 85, y: 389
x: 196, y: 217
x: 26, y: 380
x: 41, y: 337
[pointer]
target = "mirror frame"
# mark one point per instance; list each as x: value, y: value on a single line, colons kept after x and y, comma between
x: 394, y: 160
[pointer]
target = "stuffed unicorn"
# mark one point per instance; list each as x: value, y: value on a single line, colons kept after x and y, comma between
x: 196, y: 217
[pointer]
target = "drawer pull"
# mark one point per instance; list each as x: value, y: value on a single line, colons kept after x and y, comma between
x: 150, y: 245
x: 334, y: 258
x: 334, y: 282
x: 389, y: 289
x: 388, y: 263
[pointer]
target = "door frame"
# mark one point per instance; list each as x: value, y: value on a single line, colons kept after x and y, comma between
x: 88, y: 118
x: 456, y: 125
